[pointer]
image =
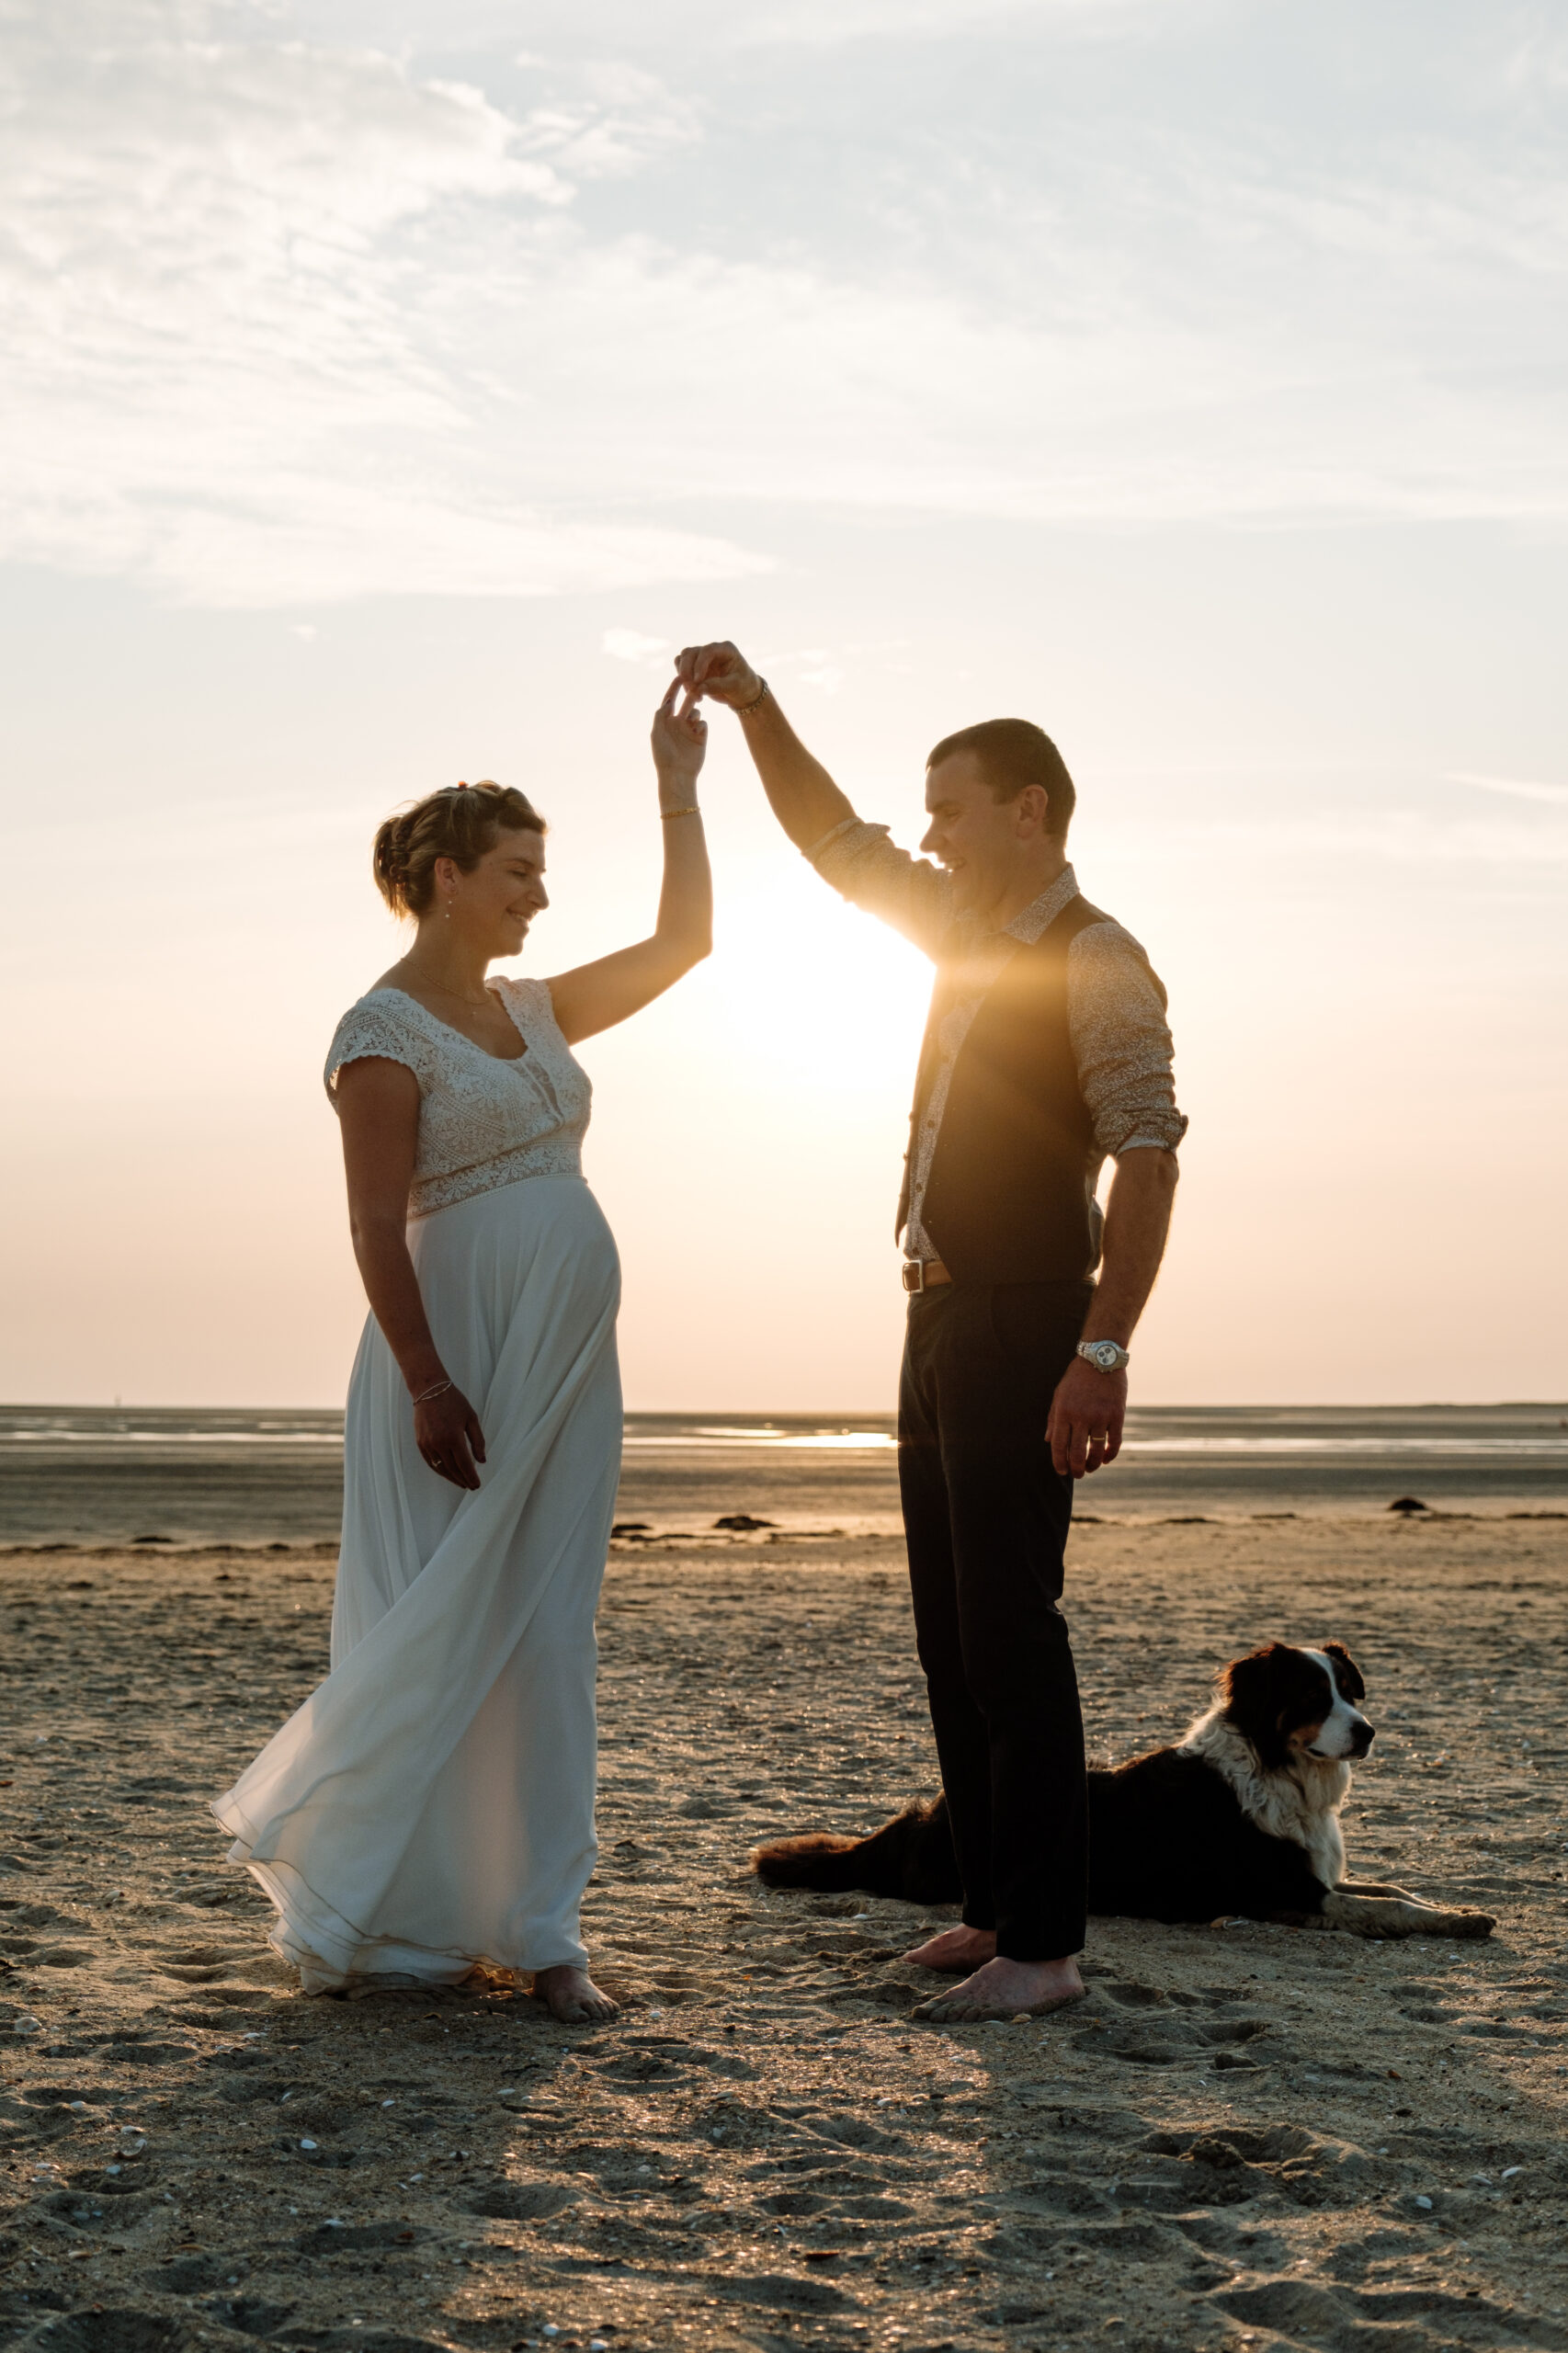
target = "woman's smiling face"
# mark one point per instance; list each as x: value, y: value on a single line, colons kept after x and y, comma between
x: 496, y: 903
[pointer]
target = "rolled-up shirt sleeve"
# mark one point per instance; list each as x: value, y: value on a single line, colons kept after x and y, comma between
x: 1116, y: 1010
x: 866, y: 867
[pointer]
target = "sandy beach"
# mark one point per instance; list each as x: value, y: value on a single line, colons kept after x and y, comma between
x: 1247, y: 2137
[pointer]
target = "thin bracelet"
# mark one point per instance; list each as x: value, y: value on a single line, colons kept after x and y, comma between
x: 691, y: 809
x: 440, y: 1391
x: 742, y: 709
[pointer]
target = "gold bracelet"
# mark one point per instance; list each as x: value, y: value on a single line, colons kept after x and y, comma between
x: 691, y: 809
x: 743, y: 709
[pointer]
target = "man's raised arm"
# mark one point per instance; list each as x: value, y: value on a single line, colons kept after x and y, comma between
x: 803, y: 795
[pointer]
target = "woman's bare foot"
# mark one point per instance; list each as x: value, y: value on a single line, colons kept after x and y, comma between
x: 1001, y: 1988
x: 572, y: 1996
x: 958, y: 1949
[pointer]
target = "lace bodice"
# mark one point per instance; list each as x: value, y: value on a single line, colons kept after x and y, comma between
x: 482, y: 1122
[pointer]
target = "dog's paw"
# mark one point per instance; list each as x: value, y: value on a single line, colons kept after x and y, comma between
x: 1464, y: 1924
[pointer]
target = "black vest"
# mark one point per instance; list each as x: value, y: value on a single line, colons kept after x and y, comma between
x: 1007, y: 1200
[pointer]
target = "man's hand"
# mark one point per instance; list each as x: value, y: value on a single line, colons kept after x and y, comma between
x: 1087, y: 1415
x: 720, y: 672
x: 1089, y: 1407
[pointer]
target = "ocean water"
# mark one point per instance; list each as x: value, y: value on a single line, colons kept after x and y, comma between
x: 99, y: 1474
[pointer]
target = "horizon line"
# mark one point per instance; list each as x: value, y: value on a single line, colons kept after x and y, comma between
x: 866, y: 1412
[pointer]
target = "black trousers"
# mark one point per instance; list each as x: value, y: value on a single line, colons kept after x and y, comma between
x: 986, y: 1518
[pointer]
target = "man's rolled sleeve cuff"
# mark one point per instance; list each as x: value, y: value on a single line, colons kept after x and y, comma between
x: 1151, y: 1136
x: 843, y: 846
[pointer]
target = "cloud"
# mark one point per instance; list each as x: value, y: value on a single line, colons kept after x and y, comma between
x: 1519, y: 788
x: 287, y: 322
x: 621, y: 120
x: 631, y: 645
x: 1343, y: 851
x: 827, y: 24
x: 232, y: 370
x: 831, y: 24
x: 770, y: 380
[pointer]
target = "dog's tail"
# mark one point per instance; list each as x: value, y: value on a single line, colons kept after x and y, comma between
x: 911, y: 1857
x: 825, y: 1861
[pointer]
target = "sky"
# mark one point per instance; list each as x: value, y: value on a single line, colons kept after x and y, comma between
x: 388, y: 391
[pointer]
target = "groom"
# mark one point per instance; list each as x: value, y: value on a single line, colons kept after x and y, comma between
x: 1046, y: 1051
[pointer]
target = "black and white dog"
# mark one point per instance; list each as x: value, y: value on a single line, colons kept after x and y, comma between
x: 1242, y: 1817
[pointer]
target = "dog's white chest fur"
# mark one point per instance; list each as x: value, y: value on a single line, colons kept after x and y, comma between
x: 1299, y: 1801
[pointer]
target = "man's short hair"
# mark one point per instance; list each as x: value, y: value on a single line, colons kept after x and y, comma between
x: 1014, y: 753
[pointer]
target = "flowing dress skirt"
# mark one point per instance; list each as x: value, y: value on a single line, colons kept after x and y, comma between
x: 431, y: 1804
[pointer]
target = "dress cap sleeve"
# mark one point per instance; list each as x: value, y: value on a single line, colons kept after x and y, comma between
x: 372, y: 1028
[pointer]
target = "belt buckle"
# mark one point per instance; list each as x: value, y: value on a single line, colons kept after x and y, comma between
x: 913, y: 1275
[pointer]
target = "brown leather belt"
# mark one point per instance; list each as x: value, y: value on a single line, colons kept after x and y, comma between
x: 923, y: 1274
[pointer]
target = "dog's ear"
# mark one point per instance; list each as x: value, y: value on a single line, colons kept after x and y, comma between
x: 1254, y: 1693
x: 1347, y: 1674
x: 1244, y: 1683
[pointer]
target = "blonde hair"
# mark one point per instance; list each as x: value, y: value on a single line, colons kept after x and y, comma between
x: 459, y: 822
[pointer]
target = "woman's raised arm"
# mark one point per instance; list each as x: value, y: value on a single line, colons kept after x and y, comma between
x: 595, y: 997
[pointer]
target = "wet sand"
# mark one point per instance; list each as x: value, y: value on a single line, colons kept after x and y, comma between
x: 93, y: 1476
x: 1247, y: 2137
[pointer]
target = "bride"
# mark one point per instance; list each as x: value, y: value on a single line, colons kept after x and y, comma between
x: 429, y: 1809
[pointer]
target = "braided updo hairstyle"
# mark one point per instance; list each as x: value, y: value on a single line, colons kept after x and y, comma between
x: 459, y: 823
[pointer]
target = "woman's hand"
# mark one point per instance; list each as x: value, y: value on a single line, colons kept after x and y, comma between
x: 446, y: 1432
x: 679, y: 741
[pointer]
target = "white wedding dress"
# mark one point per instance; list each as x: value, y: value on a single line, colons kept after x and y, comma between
x: 431, y: 1804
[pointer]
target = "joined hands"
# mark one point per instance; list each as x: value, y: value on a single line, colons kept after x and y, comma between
x: 720, y: 672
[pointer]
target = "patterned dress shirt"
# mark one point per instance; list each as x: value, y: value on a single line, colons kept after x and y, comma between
x: 1116, y: 1008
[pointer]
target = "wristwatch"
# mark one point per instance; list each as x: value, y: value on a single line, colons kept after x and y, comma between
x: 1104, y: 1355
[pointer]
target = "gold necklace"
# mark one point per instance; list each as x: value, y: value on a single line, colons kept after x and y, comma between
x: 478, y: 1003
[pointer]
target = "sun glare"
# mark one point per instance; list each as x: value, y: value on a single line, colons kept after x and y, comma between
x: 822, y: 990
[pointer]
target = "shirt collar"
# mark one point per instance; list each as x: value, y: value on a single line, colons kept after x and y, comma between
x: 1042, y: 913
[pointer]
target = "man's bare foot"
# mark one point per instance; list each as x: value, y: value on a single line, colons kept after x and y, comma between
x: 1001, y: 1988
x: 572, y: 1996
x: 959, y: 1950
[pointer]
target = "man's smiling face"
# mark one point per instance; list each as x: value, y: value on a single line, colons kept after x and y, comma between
x: 983, y: 843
